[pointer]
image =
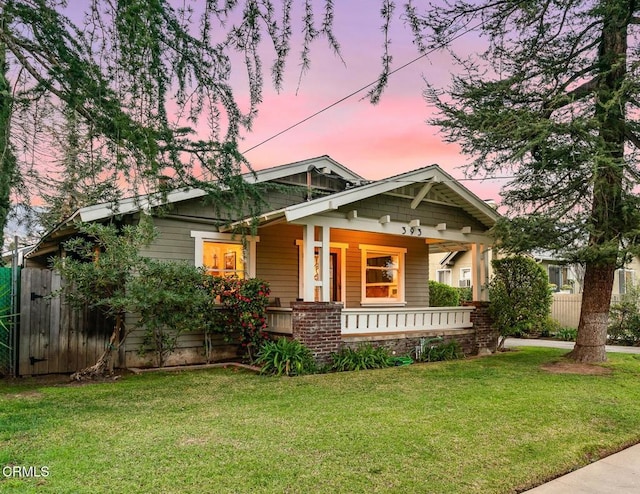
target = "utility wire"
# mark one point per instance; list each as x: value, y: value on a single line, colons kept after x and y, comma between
x: 350, y: 95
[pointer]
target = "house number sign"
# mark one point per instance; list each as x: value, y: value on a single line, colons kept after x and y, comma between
x: 412, y: 230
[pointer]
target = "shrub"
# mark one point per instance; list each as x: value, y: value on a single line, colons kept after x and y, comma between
x: 465, y: 294
x: 520, y: 296
x: 170, y: 299
x: 364, y: 357
x: 436, y: 349
x: 285, y: 357
x: 441, y: 295
x: 244, y: 314
x: 624, y: 319
x: 566, y: 334
x: 550, y: 327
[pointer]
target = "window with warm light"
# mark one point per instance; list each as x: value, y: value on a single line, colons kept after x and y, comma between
x: 382, y: 275
x: 225, y: 254
x: 222, y: 259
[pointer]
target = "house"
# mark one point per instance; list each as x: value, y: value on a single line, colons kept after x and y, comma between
x: 568, y: 278
x: 332, y: 245
x: 567, y: 282
x: 454, y: 268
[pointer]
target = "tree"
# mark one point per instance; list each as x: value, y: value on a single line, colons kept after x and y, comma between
x: 101, y: 264
x: 137, y: 78
x: 553, y: 100
x: 520, y: 296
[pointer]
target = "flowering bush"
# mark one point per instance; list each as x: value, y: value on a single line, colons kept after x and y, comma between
x: 245, y: 306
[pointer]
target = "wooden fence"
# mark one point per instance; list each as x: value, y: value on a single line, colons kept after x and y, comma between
x: 52, y: 337
x: 566, y: 308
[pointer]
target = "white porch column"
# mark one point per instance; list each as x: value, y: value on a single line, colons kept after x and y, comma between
x: 478, y: 271
x: 310, y: 246
x: 324, y: 263
x: 308, y: 259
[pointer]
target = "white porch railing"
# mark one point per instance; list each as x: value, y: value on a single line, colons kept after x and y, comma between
x: 279, y: 320
x: 382, y: 320
x: 388, y: 320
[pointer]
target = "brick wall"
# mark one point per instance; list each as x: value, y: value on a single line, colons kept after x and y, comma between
x: 317, y: 325
x: 486, y: 336
x: 406, y: 344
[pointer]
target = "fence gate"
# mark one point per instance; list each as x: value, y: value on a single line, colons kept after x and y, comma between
x: 54, y: 338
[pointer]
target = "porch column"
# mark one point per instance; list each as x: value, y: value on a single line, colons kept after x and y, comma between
x: 324, y: 264
x: 313, y: 279
x: 479, y: 271
x: 318, y: 326
x: 308, y: 259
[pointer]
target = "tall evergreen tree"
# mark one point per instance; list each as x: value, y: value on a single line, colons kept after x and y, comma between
x: 553, y: 100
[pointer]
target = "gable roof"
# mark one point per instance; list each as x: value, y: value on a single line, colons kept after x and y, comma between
x: 325, y: 164
x: 417, y: 183
x: 429, y: 181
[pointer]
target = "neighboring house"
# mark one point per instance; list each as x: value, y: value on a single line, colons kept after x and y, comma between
x: 455, y: 268
x: 568, y: 278
x: 332, y: 237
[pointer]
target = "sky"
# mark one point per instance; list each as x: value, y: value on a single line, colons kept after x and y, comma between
x: 376, y: 141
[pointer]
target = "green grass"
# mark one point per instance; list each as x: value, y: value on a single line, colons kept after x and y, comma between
x: 495, y: 424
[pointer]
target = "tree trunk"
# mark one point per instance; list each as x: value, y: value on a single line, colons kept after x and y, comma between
x: 594, y: 316
x: 104, y: 365
x: 607, y: 220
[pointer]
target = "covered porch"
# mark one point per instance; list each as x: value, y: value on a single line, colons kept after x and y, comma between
x: 362, y: 255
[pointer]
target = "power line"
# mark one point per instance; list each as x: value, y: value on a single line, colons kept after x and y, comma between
x: 350, y: 95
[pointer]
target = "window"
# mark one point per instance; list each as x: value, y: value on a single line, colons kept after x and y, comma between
x: 382, y: 275
x: 223, y: 259
x: 443, y: 276
x: 223, y: 254
x: 558, y: 276
x: 465, y: 277
x: 626, y: 278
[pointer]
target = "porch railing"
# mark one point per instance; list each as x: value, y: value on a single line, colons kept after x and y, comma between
x: 279, y: 320
x: 397, y: 320
x: 382, y: 320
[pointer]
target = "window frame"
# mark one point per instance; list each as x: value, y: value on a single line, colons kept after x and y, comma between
x: 249, y: 249
x: 400, y: 299
x: 623, y: 286
x: 469, y: 278
x: 449, y: 283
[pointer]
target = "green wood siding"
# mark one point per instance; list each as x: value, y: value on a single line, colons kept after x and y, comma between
x: 399, y: 209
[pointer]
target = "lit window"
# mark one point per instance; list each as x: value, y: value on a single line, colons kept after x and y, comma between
x: 222, y: 259
x: 382, y: 274
x: 223, y: 254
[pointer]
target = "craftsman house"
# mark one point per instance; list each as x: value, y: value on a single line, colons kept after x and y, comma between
x: 346, y: 249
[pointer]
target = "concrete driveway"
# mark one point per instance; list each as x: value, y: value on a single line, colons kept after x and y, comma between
x: 568, y: 345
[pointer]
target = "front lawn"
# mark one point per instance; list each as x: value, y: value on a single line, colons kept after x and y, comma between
x: 493, y: 424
